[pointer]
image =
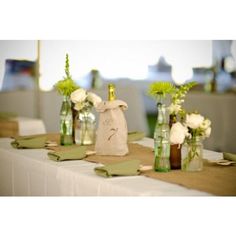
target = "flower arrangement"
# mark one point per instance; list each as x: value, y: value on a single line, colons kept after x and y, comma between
x: 85, y: 120
x: 84, y: 99
x: 178, y: 96
x: 66, y: 86
x: 192, y: 131
x: 194, y: 126
x: 159, y: 90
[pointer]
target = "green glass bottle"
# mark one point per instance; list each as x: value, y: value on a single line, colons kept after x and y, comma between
x: 162, y: 138
x: 66, y: 122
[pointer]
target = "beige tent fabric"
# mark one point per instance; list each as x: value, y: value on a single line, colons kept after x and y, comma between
x: 112, y: 133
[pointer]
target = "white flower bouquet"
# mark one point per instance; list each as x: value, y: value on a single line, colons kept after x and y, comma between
x: 84, y: 99
x: 85, y: 120
x: 192, y: 131
x: 194, y: 126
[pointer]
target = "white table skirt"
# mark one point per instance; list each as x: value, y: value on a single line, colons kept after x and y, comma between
x: 31, y: 173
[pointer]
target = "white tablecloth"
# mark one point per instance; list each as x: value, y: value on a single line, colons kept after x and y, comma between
x: 31, y: 173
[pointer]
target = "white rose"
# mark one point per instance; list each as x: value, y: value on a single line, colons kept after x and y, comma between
x: 79, y: 106
x: 95, y: 99
x: 194, y: 121
x: 208, y: 132
x: 174, y: 108
x: 205, y: 124
x: 78, y: 95
x: 178, y: 132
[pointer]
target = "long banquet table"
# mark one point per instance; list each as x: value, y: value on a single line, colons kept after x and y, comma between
x: 29, y: 172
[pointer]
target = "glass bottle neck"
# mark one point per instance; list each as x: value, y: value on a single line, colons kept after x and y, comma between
x: 111, y: 92
x: 66, y: 99
x: 160, y: 99
x: 162, y: 115
x: 66, y: 105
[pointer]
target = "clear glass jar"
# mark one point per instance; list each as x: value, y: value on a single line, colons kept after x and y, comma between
x: 66, y: 122
x: 162, y: 138
x: 85, y: 126
x: 192, y: 153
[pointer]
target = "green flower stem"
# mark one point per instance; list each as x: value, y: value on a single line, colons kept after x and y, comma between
x: 191, y: 155
x: 84, y: 128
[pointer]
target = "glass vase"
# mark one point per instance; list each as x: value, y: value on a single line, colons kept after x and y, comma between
x: 66, y: 122
x: 85, y: 126
x: 161, y: 138
x: 192, y: 155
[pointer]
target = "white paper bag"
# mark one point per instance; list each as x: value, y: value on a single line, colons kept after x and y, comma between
x: 112, y: 130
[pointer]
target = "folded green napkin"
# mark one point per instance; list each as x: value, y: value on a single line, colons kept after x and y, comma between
x: 124, y: 168
x: 229, y: 156
x: 75, y: 153
x: 31, y: 141
x: 135, y: 136
x: 7, y: 115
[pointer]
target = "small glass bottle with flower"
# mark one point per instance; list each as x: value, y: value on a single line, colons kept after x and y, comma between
x: 177, y: 113
x: 65, y: 87
x: 85, y: 122
x: 158, y: 90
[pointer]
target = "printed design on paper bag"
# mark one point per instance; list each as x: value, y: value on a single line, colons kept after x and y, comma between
x: 113, y: 133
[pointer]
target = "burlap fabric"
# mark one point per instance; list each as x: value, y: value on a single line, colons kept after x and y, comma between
x: 8, y: 128
x: 213, y: 179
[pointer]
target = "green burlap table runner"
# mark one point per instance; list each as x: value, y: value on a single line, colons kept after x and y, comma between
x: 213, y: 179
x: 7, y: 115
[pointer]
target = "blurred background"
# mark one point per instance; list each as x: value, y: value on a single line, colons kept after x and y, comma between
x: 30, y: 68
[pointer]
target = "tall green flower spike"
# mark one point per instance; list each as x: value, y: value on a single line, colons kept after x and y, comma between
x: 67, y: 68
x: 160, y: 88
x: 66, y: 86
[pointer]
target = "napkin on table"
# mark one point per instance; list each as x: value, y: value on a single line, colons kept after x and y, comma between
x: 135, y: 136
x: 7, y: 115
x: 124, y: 168
x: 75, y: 153
x: 29, y: 141
x: 229, y: 156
